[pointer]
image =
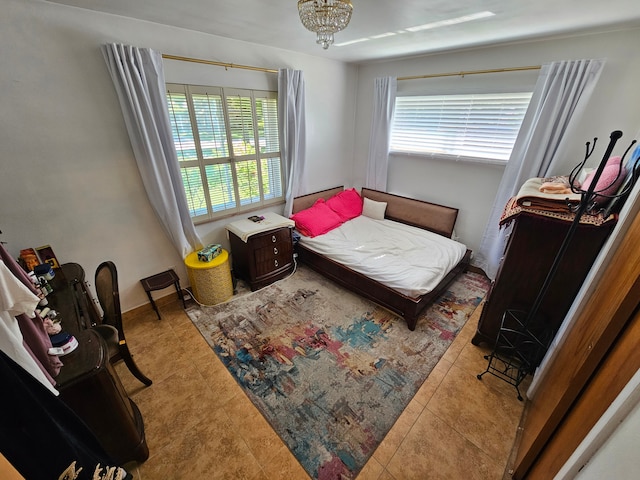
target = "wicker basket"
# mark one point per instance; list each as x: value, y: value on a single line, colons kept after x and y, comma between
x: 211, y: 282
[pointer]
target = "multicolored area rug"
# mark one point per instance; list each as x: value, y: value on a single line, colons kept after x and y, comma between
x: 328, y: 369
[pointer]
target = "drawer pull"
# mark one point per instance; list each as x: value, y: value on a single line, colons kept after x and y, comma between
x: 273, y: 238
x: 275, y: 250
x: 275, y: 262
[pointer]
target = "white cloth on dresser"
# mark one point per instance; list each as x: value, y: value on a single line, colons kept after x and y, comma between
x: 407, y: 259
x: 244, y: 228
x: 15, y: 299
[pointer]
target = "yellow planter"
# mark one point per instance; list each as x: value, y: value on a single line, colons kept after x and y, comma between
x: 211, y: 282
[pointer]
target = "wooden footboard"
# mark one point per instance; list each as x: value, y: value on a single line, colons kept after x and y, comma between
x: 429, y: 216
x: 407, y: 307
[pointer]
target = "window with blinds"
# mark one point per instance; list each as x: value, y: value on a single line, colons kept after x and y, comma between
x: 475, y: 127
x: 228, y: 148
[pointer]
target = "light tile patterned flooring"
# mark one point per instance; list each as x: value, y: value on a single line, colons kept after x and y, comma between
x: 200, y: 425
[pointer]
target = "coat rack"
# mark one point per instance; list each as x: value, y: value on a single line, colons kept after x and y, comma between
x: 524, y: 336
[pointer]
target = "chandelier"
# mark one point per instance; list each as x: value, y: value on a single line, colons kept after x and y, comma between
x: 325, y: 17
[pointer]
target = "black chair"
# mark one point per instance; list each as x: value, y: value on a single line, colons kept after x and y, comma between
x: 110, y: 327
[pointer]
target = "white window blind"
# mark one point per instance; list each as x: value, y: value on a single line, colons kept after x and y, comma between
x: 470, y: 126
x: 228, y: 148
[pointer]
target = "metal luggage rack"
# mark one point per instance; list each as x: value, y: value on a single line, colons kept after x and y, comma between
x: 519, y: 348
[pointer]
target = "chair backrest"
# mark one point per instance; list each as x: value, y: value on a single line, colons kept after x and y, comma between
x: 88, y: 314
x: 106, y: 283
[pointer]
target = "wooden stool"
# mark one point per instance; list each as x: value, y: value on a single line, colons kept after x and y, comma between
x: 160, y: 281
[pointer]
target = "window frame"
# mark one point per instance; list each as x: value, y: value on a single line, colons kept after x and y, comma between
x: 231, y: 159
x: 451, y: 97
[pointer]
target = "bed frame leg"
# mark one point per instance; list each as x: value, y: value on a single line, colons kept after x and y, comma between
x: 411, y: 323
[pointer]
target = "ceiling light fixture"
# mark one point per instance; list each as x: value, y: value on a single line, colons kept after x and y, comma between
x: 325, y: 17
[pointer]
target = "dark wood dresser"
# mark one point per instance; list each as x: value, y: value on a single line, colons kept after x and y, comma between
x: 264, y: 258
x: 533, y: 242
x: 87, y: 382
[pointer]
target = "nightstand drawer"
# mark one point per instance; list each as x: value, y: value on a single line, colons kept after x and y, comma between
x: 273, y: 251
x: 273, y: 237
x: 272, y: 265
x: 273, y: 257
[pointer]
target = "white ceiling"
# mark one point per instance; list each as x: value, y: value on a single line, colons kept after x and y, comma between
x: 276, y: 22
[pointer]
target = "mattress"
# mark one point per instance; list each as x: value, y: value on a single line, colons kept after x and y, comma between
x: 407, y: 259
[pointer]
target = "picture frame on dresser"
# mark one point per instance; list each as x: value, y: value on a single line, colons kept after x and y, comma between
x: 46, y: 255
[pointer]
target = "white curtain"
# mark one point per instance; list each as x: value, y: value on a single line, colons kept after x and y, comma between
x: 291, y: 108
x: 561, y: 94
x: 384, y: 103
x: 138, y: 77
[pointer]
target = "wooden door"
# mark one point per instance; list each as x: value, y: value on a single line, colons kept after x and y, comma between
x: 587, y: 344
x: 620, y: 364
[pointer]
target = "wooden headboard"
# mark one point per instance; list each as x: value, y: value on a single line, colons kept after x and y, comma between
x: 306, y: 201
x: 429, y: 216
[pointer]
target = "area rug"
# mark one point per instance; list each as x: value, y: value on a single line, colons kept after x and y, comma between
x: 329, y: 370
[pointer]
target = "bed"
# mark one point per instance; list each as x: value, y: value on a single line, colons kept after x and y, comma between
x: 410, y: 212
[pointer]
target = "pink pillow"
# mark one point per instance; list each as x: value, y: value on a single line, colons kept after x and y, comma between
x: 607, y: 184
x: 316, y: 220
x: 347, y: 204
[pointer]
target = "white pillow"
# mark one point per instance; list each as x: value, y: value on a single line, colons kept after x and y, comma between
x: 374, y: 209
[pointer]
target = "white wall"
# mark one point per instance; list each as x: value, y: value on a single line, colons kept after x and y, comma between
x: 469, y: 187
x: 68, y: 175
x: 609, y: 450
x: 618, y: 458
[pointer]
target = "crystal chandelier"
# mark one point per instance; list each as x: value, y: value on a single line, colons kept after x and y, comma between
x: 325, y: 17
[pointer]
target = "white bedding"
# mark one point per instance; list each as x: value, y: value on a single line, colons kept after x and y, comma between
x: 407, y: 259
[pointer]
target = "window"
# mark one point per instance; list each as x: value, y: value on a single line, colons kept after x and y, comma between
x: 228, y: 148
x: 476, y: 127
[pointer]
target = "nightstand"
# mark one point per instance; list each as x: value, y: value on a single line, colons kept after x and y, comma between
x: 262, y: 252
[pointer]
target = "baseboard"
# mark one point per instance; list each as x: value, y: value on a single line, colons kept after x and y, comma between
x: 474, y: 269
x: 508, y: 471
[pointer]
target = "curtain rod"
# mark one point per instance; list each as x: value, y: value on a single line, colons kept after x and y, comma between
x: 472, y: 72
x: 415, y: 77
x: 219, y: 64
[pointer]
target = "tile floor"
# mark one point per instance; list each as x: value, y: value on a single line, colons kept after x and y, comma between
x: 200, y: 425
